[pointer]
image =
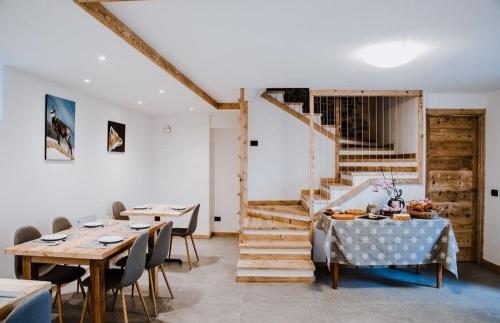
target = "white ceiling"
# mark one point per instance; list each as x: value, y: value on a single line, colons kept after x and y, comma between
x: 225, y: 44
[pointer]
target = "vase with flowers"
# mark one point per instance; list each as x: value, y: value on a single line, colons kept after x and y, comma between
x: 395, y: 194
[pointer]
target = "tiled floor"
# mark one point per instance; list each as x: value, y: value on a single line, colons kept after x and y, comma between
x: 208, y: 293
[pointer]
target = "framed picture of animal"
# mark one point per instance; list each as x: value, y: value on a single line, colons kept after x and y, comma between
x: 116, y: 137
x: 59, y: 128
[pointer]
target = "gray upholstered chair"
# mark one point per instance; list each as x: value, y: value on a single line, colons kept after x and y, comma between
x: 156, y: 259
x: 36, y: 309
x: 117, y: 279
x: 118, y: 207
x: 57, y: 275
x: 60, y: 224
x: 188, y: 232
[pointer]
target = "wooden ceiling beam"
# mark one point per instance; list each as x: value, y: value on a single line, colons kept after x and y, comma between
x: 105, y: 17
x: 107, y: 0
x: 228, y: 106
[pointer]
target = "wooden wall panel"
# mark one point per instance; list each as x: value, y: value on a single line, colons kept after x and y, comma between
x: 452, y: 175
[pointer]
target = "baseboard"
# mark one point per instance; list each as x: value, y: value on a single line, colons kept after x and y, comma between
x: 225, y: 234
x: 202, y: 236
x: 491, y: 265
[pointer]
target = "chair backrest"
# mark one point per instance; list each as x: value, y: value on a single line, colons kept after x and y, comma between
x: 36, y: 309
x: 22, y: 235
x: 60, y: 224
x: 136, y: 261
x: 162, y: 245
x: 193, y: 222
x: 118, y: 207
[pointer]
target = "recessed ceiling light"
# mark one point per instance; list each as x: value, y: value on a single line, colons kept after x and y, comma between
x: 86, y: 81
x: 191, y: 109
x: 139, y: 102
x: 161, y: 91
x: 102, y: 58
x: 390, y: 54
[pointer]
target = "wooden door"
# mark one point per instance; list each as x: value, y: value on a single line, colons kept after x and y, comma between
x: 455, y: 174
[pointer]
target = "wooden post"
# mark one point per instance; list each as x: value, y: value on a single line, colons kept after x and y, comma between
x: 337, y: 138
x: 439, y: 275
x: 97, y: 290
x: 420, y: 149
x: 311, y: 164
x: 243, y: 156
x: 335, y: 275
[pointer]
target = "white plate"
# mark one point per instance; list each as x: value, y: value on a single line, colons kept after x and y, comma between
x: 139, y: 226
x: 54, y: 237
x: 93, y: 224
x: 178, y: 207
x: 110, y: 239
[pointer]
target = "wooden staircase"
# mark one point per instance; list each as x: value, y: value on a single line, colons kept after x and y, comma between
x: 275, y: 244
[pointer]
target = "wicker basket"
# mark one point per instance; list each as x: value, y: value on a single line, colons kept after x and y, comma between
x: 423, y: 214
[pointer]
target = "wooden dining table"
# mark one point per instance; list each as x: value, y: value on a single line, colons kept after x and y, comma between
x: 82, y: 248
x: 15, y: 291
x: 157, y: 211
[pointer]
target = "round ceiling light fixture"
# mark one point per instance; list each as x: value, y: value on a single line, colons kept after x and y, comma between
x: 390, y: 54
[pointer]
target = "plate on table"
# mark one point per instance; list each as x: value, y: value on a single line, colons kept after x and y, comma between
x: 142, y: 207
x: 54, y: 237
x: 139, y: 226
x: 110, y: 239
x: 374, y: 217
x: 178, y: 207
x: 94, y: 224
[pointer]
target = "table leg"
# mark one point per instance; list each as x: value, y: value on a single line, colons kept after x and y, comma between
x: 418, y: 269
x: 335, y: 275
x: 97, y: 290
x: 439, y: 275
x: 153, y: 272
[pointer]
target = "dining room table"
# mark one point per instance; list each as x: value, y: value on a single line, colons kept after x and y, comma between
x: 83, y: 246
x: 386, y: 242
x: 16, y: 291
x: 157, y: 212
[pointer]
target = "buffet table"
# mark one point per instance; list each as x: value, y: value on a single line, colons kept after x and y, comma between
x: 363, y: 242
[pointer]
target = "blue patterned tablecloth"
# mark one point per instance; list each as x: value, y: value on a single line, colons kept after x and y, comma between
x: 387, y: 242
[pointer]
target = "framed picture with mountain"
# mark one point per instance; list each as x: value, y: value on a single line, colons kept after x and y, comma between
x: 59, y: 128
x: 116, y: 137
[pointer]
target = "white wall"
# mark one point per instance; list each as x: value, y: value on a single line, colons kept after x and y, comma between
x: 279, y: 167
x: 492, y: 204
x: 181, y: 165
x: 1, y: 90
x: 225, y: 182
x: 34, y: 191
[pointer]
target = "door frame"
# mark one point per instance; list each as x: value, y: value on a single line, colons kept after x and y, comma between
x: 480, y: 114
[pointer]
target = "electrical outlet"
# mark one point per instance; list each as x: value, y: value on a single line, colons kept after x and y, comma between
x: 494, y: 192
x: 217, y: 218
x: 254, y: 143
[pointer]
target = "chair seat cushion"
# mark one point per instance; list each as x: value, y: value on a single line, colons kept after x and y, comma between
x: 112, y: 278
x: 60, y: 275
x: 179, y: 232
x: 123, y: 261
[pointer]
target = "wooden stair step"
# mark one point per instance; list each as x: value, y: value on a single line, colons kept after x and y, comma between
x: 278, y: 254
x: 253, y: 264
x: 400, y: 157
x: 280, y: 216
x: 410, y: 169
x: 263, y: 224
x: 284, y: 235
x: 275, y: 244
x: 267, y: 276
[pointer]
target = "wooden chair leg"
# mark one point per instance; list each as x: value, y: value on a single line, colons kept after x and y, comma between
x: 132, y: 290
x: 152, y: 293
x: 59, y: 304
x: 142, y: 301
x: 166, y: 281
x: 170, y: 248
x: 85, y: 301
x: 187, y: 251
x: 124, y: 306
x: 115, y: 294
x: 55, y: 299
x: 194, y: 247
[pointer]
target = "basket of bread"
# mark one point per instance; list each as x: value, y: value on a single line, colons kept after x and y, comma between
x: 422, y: 209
